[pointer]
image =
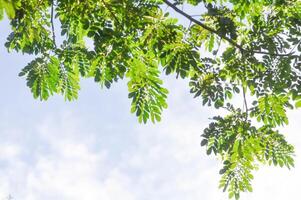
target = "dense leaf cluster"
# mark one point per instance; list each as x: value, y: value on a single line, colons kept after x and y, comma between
x: 252, y: 50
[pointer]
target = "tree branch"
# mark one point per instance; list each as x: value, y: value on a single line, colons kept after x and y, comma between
x: 271, y: 54
x: 175, y: 8
x: 110, y: 11
x: 52, y: 23
x: 245, y: 101
x: 292, y: 51
x: 208, y: 28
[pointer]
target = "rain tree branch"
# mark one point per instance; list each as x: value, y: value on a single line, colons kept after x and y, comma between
x: 212, y: 30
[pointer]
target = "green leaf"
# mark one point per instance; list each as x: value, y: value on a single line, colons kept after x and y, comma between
x: 298, y: 104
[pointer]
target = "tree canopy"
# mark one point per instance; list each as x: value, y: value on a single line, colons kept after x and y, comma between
x: 250, y: 48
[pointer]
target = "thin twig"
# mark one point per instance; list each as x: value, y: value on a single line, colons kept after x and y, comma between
x: 110, y: 11
x: 292, y: 51
x: 245, y: 101
x: 187, y: 29
x: 219, y: 45
x: 52, y: 23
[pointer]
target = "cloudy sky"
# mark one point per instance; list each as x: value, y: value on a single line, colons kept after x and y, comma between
x: 93, y: 148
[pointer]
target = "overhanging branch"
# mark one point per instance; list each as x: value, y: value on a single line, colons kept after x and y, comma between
x: 208, y: 28
x: 110, y: 11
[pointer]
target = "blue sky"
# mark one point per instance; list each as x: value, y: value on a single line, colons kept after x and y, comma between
x: 93, y: 148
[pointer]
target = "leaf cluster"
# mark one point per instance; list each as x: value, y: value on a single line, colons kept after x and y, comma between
x: 232, y: 48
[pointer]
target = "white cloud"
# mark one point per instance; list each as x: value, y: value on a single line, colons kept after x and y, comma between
x: 8, y: 151
x: 61, y: 156
x: 69, y: 169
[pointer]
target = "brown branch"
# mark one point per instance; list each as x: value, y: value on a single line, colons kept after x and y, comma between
x: 52, y: 23
x: 245, y: 100
x: 208, y: 28
x: 292, y: 51
x: 110, y: 11
x: 175, y: 8
x: 271, y: 54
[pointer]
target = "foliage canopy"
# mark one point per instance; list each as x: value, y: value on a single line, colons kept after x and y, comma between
x: 231, y: 47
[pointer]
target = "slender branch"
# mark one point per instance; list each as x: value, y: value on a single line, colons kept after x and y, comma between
x: 110, y: 11
x: 175, y: 8
x: 219, y: 45
x: 52, y: 23
x: 186, y: 32
x: 232, y: 42
x: 271, y: 54
x: 292, y: 51
x: 245, y: 101
x: 244, y: 91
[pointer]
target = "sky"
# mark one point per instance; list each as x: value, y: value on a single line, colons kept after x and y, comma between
x: 93, y: 148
